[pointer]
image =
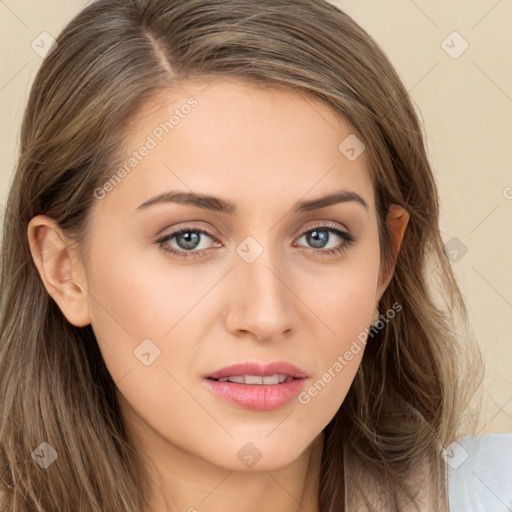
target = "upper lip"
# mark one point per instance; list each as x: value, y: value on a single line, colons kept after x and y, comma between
x: 257, y: 368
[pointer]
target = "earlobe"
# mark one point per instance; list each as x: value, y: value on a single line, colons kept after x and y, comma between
x: 59, y: 268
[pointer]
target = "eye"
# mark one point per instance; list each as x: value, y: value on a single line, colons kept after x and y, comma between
x: 319, y: 236
x: 187, y: 238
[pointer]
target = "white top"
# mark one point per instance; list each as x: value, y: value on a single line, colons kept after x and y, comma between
x: 480, y: 473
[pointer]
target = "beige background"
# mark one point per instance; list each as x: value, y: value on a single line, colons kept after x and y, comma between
x: 466, y: 105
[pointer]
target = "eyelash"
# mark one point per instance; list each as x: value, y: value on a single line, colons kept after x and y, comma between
x: 347, y: 237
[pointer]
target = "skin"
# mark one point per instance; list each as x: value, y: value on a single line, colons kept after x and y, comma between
x: 264, y: 150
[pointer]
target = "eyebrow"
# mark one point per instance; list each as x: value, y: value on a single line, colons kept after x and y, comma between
x: 217, y: 204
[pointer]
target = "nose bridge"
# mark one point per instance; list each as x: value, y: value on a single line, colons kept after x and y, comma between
x: 263, y: 301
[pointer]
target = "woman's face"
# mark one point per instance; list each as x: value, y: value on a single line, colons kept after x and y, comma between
x: 261, y: 281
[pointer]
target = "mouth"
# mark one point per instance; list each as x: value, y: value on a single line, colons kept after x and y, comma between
x: 259, y: 380
x: 257, y: 386
x: 253, y: 372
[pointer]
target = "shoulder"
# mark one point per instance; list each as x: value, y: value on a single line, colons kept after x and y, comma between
x: 479, y: 473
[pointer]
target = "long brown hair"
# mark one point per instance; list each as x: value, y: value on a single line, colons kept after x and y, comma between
x: 413, y: 385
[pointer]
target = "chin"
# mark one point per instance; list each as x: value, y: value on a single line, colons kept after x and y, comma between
x: 263, y: 454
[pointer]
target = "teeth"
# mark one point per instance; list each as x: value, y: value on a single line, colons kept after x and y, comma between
x: 238, y: 379
x: 256, y: 379
x: 253, y: 379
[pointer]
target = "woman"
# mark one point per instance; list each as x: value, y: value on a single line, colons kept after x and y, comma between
x: 220, y: 254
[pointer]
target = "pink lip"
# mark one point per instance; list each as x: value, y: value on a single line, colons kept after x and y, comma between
x: 260, y: 397
x: 262, y: 369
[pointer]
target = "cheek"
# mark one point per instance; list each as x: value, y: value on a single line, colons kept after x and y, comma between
x: 343, y: 302
x: 146, y: 292
x: 140, y: 302
x: 342, y: 296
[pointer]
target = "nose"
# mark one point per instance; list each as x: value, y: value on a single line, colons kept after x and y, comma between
x: 262, y: 302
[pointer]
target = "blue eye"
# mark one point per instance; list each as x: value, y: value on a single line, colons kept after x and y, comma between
x: 322, y: 234
x: 187, y: 243
x: 189, y: 238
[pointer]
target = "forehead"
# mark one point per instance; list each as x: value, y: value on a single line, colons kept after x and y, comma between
x: 239, y: 140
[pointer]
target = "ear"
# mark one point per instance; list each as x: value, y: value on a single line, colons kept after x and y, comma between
x: 60, y: 268
x: 396, y: 222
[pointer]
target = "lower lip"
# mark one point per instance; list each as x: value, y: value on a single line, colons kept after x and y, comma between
x: 258, y: 397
